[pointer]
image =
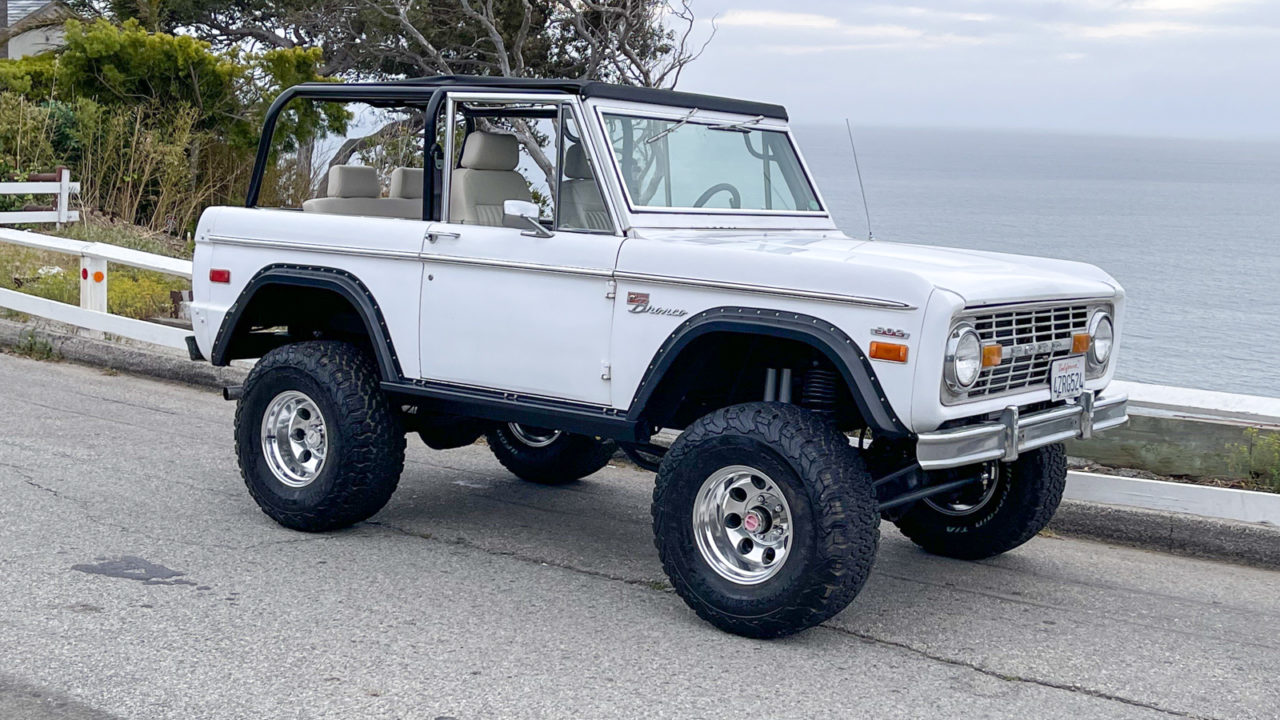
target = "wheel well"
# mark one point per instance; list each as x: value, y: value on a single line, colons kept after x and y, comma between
x: 719, y: 369
x: 280, y: 313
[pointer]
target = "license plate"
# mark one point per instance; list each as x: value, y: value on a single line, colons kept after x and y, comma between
x: 1066, y: 378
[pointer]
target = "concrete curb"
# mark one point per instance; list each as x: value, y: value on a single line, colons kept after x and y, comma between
x: 1177, y: 533
x: 137, y: 359
x: 1220, y: 503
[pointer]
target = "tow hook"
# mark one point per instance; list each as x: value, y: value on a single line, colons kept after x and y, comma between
x: 232, y: 392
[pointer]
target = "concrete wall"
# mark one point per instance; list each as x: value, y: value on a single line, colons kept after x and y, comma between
x: 1197, y: 433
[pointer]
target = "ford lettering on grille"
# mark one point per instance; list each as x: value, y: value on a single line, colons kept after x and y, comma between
x: 1033, y: 337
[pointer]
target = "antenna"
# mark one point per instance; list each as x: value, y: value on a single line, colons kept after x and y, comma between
x: 862, y: 188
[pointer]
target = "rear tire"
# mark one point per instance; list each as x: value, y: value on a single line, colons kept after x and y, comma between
x: 317, y: 442
x: 982, y: 523
x: 765, y: 519
x: 547, y: 457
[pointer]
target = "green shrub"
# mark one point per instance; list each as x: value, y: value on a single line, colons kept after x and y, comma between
x: 25, y: 140
x: 157, y: 127
x: 1258, y: 457
x: 32, y: 76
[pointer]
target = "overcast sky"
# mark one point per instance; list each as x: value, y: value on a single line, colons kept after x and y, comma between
x: 1200, y: 68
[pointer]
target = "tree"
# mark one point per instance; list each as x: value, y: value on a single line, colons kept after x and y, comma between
x: 331, y: 25
x: 634, y: 42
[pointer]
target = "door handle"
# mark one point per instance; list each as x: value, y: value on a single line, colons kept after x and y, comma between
x: 434, y: 235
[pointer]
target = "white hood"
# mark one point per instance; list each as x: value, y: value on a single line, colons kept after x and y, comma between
x: 984, y: 278
x: 833, y: 262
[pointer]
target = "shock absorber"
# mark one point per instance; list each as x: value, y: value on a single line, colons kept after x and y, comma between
x: 819, y: 391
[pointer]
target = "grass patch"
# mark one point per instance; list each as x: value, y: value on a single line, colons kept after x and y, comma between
x: 95, y: 228
x: 36, y: 348
x: 131, y: 292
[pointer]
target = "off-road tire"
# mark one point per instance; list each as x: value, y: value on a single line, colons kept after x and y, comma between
x: 836, y: 527
x: 567, y: 459
x: 1031, y: 488
x: 366, y: 443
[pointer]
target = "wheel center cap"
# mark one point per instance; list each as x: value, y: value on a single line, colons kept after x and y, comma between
x: 313, y: 438
x: 753, y: 522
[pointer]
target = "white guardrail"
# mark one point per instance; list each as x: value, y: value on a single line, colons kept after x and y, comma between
x: 92, y: 312
x: 57, y: 184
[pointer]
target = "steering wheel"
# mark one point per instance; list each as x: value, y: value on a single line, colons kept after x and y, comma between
x: 735, y: 197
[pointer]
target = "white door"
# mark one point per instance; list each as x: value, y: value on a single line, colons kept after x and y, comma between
x: 506, y: 311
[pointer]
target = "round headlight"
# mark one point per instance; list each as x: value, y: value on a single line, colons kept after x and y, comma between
x: 964, y: 358
x: 1102, y: 336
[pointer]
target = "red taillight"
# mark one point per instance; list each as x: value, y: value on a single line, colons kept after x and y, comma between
x: 220, y: 276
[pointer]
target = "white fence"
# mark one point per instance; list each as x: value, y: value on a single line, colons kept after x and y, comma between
x: 57, y: 184
x: 92, y: 312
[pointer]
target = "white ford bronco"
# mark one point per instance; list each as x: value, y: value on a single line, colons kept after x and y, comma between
x: 568, y: 267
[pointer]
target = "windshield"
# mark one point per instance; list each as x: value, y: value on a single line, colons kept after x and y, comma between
x: 686, y: 163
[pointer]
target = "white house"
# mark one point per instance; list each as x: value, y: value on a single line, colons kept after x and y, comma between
x: 31, y: 26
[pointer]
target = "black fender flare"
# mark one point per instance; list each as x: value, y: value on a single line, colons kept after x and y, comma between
x: 339, y: 281
x: 834, y: 343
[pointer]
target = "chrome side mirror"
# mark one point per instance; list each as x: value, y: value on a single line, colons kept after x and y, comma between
x: 523, y: 214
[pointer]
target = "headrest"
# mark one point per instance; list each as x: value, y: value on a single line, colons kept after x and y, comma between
x: 575, y: 163
x: 353, y: 181
x: 406, y: 183
x: 490, y: 151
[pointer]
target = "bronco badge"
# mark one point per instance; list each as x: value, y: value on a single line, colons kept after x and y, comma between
x: 639, y: 304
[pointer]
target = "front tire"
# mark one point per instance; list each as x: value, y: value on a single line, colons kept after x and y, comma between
x: 985, y: 520
x: 547, y: 457
x: 318, y: 444
x: 765, y: 519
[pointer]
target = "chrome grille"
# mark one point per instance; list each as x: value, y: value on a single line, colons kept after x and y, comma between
x: 1023, y: 326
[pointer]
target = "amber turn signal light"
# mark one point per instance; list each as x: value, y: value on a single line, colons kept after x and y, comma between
x: 992, y: 355
x: 893, y: 352
x: 1080, y: 343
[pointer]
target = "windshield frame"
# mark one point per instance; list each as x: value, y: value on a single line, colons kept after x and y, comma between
x: 704, y: 117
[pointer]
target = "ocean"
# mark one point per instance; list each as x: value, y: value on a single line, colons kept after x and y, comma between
x: 1190, y: 228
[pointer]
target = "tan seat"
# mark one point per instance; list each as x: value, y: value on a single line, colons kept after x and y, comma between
x: 581, y: 205
x: 487, y: 178
x: 406, y: 192
x: 355, y: 190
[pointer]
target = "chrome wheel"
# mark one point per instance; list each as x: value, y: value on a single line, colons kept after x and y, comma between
x: 971, y: 498
x: 742, y: 524
x: 534, y: 437
x: 294, y: 438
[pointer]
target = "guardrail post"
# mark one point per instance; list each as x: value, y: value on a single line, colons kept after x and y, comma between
x: 64, y: 197
x: 93, y: 283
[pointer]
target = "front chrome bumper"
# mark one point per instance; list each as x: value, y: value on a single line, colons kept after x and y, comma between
x: 1013, y: 433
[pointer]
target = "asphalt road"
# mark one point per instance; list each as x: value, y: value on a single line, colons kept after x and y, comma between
x: 138, y: 580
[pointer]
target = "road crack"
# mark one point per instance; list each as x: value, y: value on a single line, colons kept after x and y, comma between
x: 655, y: 585
x: 664, y: 587
x: 1068, y: 687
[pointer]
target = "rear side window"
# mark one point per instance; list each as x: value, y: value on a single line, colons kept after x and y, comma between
x: 371, y: 166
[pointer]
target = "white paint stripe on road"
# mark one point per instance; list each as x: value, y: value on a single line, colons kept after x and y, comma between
x: 1213, y: 502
